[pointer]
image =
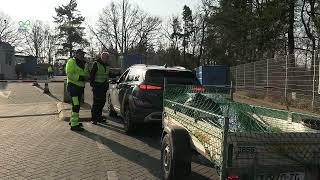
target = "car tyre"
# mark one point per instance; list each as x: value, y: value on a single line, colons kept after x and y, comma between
x: 175, y: 157
x: 129, y: 126
x: 110, y: 110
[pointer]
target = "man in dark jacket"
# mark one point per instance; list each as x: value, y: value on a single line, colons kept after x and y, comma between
x: 99, y: 81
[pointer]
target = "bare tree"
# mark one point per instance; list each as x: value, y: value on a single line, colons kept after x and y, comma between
x: 146, y: 32
x: 310, y: 24
x: 124, y: 26
x: 8, y: 32
x: 36, y: 39
x: 110, y: 27
x: 51, y: 44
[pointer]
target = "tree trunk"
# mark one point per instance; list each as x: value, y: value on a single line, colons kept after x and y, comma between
x: 291, y: 46
x: 291, y: 43
x: 202, y: 39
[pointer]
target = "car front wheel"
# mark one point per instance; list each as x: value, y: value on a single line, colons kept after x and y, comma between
x: 128, y: 124
x: 110, y: 110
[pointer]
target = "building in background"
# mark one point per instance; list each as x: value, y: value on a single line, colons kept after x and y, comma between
x: 27, y: 64
x: 7, y: 61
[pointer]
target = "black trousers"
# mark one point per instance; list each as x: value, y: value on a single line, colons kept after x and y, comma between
x: 99, y: 100
x: 75, y: 92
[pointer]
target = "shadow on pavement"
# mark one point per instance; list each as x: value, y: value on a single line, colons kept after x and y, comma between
x: 151, y: 135
x: 197, y: 176
x: 112, y: 127
x: 135, y: 156
x: 49, y: 94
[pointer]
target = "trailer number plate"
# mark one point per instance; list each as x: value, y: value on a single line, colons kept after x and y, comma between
x: 283, y: 176
x: 246, y: 150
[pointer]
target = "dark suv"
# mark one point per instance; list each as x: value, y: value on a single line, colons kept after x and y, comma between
x: 137, y: 95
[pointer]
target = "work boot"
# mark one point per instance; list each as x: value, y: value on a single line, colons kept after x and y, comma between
x: 76, y: 128
x: 101, y: 120
x: 94, y: 122
x: 80, y: 124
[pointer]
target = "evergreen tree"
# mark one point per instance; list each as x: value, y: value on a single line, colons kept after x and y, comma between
x: 69, y: 22
x: 187, y: 28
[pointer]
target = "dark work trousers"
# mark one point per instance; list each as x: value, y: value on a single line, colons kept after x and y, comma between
x: 99, y: 100
x: 75, y: 92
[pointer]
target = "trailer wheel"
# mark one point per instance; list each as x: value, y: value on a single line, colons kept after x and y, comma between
x: 176, y: 156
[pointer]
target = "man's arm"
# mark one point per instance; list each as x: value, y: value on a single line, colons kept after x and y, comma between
x: 93, y: 73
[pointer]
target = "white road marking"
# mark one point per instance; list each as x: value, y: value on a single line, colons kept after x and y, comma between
x: 112, y: 175
x: 5, y: 94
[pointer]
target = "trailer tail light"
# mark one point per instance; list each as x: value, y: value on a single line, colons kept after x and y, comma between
x: 232, y: 176
x: 149, y: 87
x: 198, y: 89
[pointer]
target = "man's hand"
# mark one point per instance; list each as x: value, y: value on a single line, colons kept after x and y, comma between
x: 84, y: 78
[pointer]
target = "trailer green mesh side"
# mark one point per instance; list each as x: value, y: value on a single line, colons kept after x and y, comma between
x: 261, y: 136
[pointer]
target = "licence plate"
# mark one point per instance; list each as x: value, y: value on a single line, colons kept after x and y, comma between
x: 283, y: 176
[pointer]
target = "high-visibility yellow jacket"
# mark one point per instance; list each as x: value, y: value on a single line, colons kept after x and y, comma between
x: 75, y: 73
x: 50, y: 69
x: 102, y: 74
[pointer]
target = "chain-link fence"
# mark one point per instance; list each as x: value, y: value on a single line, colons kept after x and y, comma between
x: 250, y: 141
x: 279, y: 80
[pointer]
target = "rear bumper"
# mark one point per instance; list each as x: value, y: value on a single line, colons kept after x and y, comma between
x: 153, y: 117
x: 145, y: 115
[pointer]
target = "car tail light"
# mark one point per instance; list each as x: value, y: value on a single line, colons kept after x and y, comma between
x: 149, y: 87
x: 198, y: 89
x: 232, y: 176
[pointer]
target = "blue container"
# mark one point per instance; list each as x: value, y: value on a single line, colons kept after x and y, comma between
x: 130, y: 60
x: 216, y: 75
x: 30, y: 65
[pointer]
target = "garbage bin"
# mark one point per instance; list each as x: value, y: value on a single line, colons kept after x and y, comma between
x: 66, y: 95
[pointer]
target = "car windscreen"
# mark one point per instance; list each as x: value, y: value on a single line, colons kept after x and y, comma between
x: 173, y: 77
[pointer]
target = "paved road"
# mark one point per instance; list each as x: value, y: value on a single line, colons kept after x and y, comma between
x: 36, y: 145
x: 18, y: 93
x: 43, y: 147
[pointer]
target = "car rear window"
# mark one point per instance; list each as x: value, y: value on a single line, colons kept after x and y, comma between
x: 173, y: 77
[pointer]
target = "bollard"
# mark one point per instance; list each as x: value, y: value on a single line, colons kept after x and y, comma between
x: 35, y: 83
x: 46, y: 88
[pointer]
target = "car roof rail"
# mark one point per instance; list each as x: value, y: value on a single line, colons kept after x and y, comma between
x: 178, y: 67
x: 139, y: 65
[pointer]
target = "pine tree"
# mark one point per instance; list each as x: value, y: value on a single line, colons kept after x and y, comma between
x: 187, y: 28
x: 69, y: 22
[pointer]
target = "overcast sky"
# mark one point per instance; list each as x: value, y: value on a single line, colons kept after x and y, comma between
x: 22, y: 10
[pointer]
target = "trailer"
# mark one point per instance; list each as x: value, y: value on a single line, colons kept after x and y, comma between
x: 242, y: 141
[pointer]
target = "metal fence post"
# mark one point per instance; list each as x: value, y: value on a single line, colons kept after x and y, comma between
x: 231, y: 90
x: 267, y: 77
x: 254, y: 78
x: 244, y: 76
x: 236, y: 83
x: 314, y: 79
x: 286, y: 79
x: 223, y: 172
